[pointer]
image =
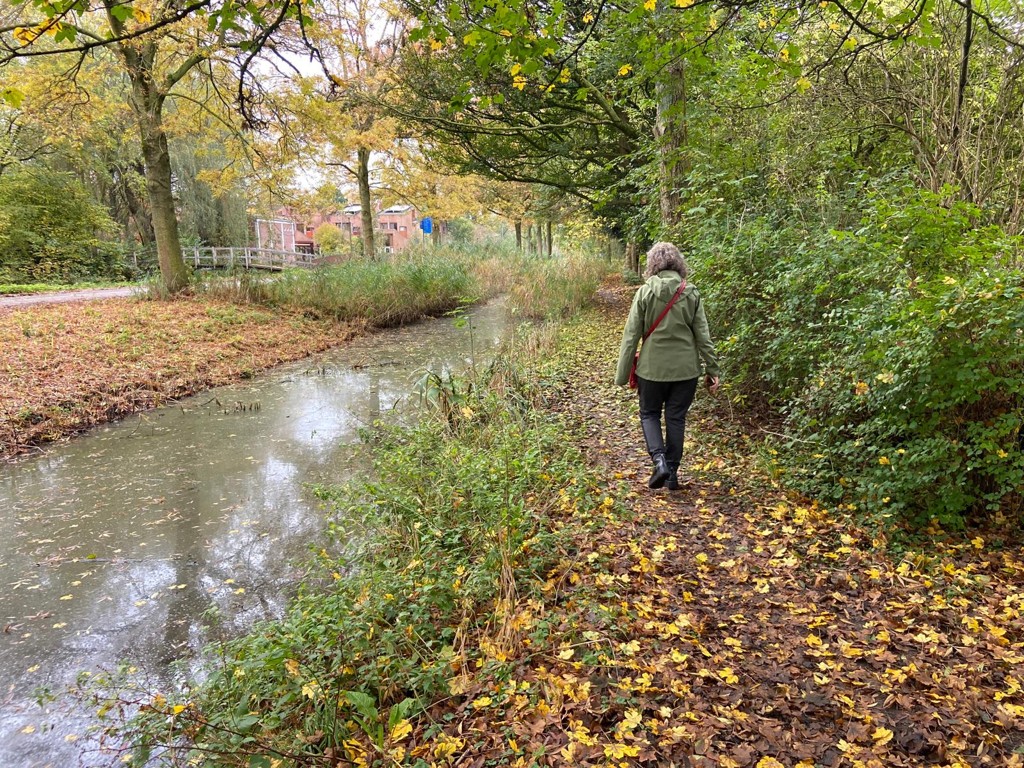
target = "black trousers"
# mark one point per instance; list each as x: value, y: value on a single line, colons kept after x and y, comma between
x: 674, y: 398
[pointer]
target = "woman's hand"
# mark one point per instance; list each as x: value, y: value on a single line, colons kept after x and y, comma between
x: 711, y: 382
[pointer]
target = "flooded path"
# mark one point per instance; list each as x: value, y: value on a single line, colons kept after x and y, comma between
x: 146, y: 539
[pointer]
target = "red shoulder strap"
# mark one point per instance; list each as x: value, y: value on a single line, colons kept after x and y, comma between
x: 676, y: 295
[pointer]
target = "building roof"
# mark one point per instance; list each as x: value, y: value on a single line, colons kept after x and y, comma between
x: 397, y: 209
x: 352, y: 209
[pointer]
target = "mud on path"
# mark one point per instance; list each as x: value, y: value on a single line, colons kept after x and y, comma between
x: 735, y: 624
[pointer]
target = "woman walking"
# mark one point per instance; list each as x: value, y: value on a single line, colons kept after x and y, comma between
x: 669, y: 315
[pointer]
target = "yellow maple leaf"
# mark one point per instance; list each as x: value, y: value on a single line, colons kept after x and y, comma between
x: 24, y: 35
x: 881, y: 736
x: 650, y: 4
x: 769, y: 762
x: 447, y: 746
x: 619, y: 751
x: 482, y: 702
x: 311, y: 690
x: 401, y: 730
x: 625, y: 69
x: 632, y: 719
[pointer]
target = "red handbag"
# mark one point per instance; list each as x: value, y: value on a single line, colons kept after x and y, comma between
x: 634, y: 382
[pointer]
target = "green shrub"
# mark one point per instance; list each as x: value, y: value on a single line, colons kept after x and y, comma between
x: 51, y: 231
x: 894, y: 350
x: 922, y: 417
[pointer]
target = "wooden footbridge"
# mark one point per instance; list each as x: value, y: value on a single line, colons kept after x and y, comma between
x: 247, y: 258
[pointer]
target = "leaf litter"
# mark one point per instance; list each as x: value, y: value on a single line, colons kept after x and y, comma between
x: 732, y: 623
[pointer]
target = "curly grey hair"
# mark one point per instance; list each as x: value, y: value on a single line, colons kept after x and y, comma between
x: 664, y: 256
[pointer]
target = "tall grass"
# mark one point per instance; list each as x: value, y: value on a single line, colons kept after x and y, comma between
x: 549, y: 289
x: 421, y: 282
x: 382, y: 293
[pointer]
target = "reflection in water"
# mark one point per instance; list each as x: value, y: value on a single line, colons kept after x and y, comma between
x: 115, y: 544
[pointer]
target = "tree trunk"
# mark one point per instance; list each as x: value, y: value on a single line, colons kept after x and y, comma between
x: 519, y: 234
x: 137, y: 208
x: 550, y: 245
x: 157, y: 158
x: 956, y: 140
x: 147, y: 102
x: 365, y: 203
x: 632, y: 257
x: 670, y: 132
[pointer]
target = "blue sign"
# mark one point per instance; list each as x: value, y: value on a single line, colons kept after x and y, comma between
x: 427, y: 225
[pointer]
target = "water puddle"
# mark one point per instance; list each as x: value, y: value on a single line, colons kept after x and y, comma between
x: 122, y: 544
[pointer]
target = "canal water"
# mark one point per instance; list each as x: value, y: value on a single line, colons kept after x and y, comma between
x: 124, y: 544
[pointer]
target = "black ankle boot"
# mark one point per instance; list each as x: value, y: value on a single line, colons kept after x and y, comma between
x: 673, y: 478
x: 661, y: 471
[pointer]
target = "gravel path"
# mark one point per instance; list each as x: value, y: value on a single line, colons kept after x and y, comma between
x: 90, y: 294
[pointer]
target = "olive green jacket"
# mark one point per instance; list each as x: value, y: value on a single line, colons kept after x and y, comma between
x: 680, y: 342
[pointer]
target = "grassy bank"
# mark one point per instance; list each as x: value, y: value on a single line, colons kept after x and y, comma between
x: 436, y: 578
x: 67, y: 367
x: 382, y: 293
x: 422, y: 282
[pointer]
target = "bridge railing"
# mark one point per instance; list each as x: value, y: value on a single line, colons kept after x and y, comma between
x: 209, y: 257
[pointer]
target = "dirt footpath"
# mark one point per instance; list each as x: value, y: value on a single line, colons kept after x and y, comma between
x: 59, y: 297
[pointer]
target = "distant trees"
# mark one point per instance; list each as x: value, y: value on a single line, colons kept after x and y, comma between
x: 51, y: 230
x: 158, y: 45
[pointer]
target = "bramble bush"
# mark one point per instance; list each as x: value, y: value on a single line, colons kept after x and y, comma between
x: 895, y: 350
